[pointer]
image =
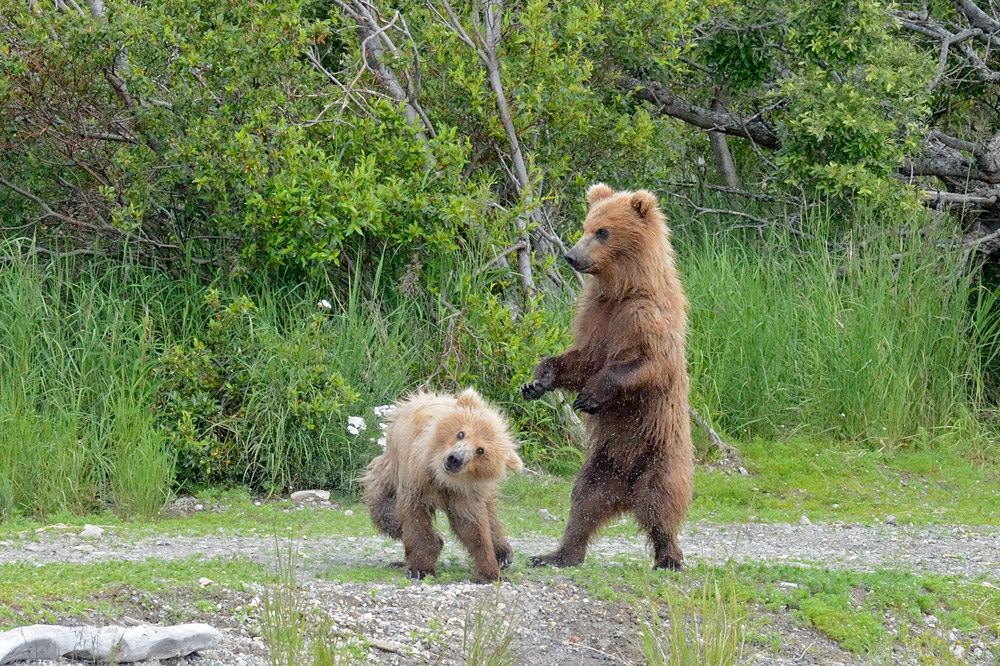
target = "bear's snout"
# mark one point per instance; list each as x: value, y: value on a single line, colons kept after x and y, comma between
x: 578, y: 256
x: 454, y: 461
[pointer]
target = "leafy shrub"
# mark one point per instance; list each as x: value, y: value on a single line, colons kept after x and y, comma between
x: 257, y: 403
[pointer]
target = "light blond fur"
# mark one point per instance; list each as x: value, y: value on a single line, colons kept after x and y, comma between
x: 443, y: 453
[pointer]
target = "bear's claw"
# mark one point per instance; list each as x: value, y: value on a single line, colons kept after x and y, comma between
x: 533, y: 391
x: 587, y: 404
x: 505, y: 558
x: 419, y: 574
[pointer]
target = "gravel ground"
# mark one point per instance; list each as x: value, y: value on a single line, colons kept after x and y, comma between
x: 556, y: 621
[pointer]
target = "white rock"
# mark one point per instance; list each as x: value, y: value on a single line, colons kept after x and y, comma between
x: 544, y: 513
x: 890, y: 520
x: 91, y: 531
x: 205, y: 582
x: 311, y: 496
x: 102, y: 644
x: 788, y: 585
x: 804, y: 520
x: 957, y: 651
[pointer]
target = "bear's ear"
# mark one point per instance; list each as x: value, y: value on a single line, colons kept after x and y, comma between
x: 643, y: 201
x: 598, y: 193
x: 514, y: 463
x: 470, y: 398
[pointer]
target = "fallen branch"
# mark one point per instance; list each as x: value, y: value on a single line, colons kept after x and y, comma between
x: 725, y: 450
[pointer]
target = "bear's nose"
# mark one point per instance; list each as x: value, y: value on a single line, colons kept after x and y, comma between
x: 570, y: 259
x: 453, y: 462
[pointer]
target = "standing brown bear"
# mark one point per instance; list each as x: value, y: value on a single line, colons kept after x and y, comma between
x: 627, y: 365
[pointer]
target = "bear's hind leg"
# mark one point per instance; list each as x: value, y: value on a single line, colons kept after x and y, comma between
x: 597, y: 497
x: 382, y: 508
x: 659, y: 508
x: 421, y: 543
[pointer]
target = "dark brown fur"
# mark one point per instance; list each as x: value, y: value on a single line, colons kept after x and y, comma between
x: 627, y: 364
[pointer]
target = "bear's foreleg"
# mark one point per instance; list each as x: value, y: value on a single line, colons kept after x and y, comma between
x: 501, y: 547
x: 421, y: 543
x: 565, y: 371
x: 474, y: 531
x: 597, y: 497
x: 600, y: 391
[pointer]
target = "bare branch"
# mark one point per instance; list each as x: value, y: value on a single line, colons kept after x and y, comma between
x: 977, y: 17
x: 670, y: 104
x: 945, y: 166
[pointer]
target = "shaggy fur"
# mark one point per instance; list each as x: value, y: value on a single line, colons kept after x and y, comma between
x: 443, y: 453
x: 627, y: 365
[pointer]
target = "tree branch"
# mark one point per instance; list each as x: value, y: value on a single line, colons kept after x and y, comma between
x: 670, y: 104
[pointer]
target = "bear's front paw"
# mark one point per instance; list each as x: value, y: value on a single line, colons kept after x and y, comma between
x: 588, y: 403
x: 418, y: 574
x: 533, y: 390
x: 505, y: 556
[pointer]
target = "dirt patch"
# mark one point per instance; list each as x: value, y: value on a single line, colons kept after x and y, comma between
x: 555, y: 621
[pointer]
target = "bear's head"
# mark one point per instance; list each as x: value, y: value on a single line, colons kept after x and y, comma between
x: 473, y: 443
x: 621, y: 229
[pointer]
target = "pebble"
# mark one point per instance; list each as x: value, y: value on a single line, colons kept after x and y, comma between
x: 91, y: 531
x: 804, y: 520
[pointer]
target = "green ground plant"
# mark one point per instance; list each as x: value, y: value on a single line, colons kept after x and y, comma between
x: 705, y: 627
x: 489, y: 633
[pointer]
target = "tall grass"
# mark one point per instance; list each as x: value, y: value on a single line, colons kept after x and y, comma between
x: 75, y: 422
x: 878, y: 338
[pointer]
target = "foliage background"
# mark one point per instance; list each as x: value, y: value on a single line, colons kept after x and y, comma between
x: 229, y: 226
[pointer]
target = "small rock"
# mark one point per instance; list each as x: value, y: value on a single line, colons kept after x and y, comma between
x: 835, y: 506
x: 301, y: 496
x: 957, y: 651
x: 348, y: 513
x: 804, y: 520
x: 385, y: 646
x: 91, y: 531
x: 205, y: 582
x: 544, y: 513
x: 890, y: 520
x: 930, y: 621
x: 199, y: 507
x: 788, y: 585
x: 743, y: 471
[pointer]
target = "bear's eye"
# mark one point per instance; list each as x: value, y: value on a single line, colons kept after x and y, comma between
x: 602, y: 234
x: 480, y: 451
x: 460, y: 435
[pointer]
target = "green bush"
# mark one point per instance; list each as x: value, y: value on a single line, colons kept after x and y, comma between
x: 262, y: 395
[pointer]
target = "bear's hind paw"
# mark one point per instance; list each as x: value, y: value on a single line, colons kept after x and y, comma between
x: 419, y: 574
x: 555, y: 559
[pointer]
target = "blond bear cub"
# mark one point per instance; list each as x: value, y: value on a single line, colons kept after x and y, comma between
x: 443, y: 453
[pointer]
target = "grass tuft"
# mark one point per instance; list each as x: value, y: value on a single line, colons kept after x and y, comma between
x: 705, y: 627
